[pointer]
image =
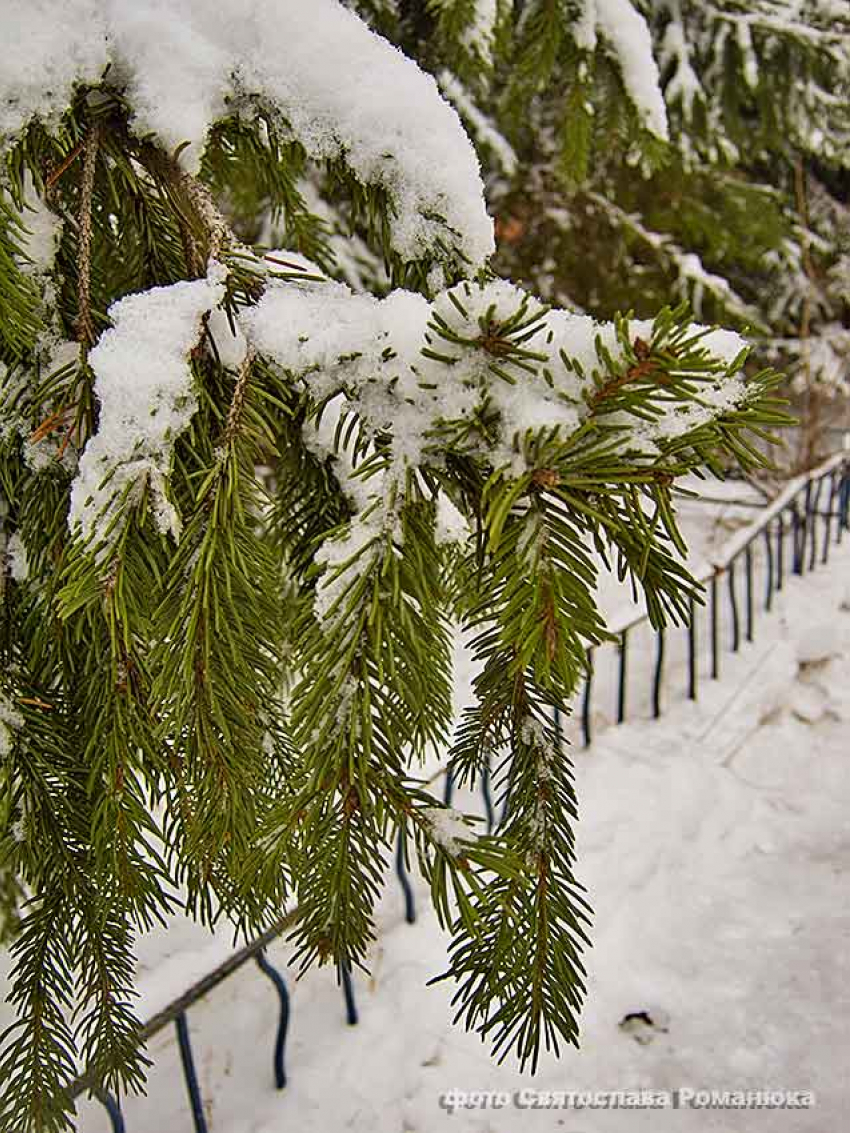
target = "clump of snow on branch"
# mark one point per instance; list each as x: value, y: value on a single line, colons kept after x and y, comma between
x: 143, y: 382
x: 17, y: 559
x: 452, y: 525
x: 11, y: 721
x: 406, y: 367
x: 479, y: 33
x: 448, y: 828
x: 625, y: 34
x: 230, y: 343
x: 683, y: 86
x: 313, y: 62
x: 41, y: 227
x: 49, y: 48
x: 533, y: 734
x: 345, y: 559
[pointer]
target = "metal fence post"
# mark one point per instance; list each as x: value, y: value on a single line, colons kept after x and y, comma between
x: 804, y: 534
x: 733, y: 599
x: 351, y: 1016
x: 814, y: 521
x: 715, y: 645
x: 748, y: 566
x: 656, y: 681
x: 586, y: 699
x: 768, y: 545
x: 486, y: 793
x: 404, y: 880
x: 268, y: 969
x: 621, y: 688
x: 828, y: 526
x: 842, y: 481
x: 448, y: 787
x: 797, y: 562
x: 116, y: 1118
x: 189, y: 1073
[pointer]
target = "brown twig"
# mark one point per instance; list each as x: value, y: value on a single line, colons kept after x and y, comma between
x: 35, y: 702
x: 85, y: 326
x: 641, y: 369
x: 198, y: 205
x: 238, y: 399
x: 50, y: 424
x: 65, y: 164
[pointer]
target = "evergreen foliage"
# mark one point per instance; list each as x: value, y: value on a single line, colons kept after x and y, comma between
x: 228, y: 589
x: 712, y: 210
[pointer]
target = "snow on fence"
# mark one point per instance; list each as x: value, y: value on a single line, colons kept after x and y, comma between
x: 793, y: 535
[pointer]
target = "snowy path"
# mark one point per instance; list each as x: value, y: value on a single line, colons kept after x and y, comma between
x: 715, y: 846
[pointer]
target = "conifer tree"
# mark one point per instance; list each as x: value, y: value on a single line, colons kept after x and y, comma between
x: 249, y: 491
x: 714, y: 210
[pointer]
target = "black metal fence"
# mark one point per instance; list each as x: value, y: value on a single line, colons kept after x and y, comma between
x: 793, y: 535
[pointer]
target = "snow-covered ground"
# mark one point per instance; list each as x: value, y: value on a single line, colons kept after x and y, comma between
x: 715, y: 845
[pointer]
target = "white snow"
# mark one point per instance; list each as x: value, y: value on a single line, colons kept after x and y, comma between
x: 381, y: 353
x: 346, y: 558
x: 477, y: 36
x: 49, y: 48
x: 41, y: 232
x: 819, y: 642
x: 327, y: 331
x: 448, y: 828
x: 452, y: 525
x: 143, y: 382
x: 626, y: 33
x: 230, y: 343
x: 684, y: 85
x: 342, y: 90
x: 16, y: 556
x: 584, y: 26
x: 10, y: 721
x: 749, y: 63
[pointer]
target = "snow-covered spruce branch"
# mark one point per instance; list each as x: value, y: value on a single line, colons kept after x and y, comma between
x: 302, y: 67
x: 544, y: 425
x: 527, y: 929
x: 242, y: 519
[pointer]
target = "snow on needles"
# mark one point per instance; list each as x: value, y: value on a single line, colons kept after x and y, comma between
x: 11, y: 721
x: 448, y: 828
x: 342, y: 90
x: 627, y: 36
x: 143, y: 382
x: 407, y: 369
x: 381, y: 354
x: 379, y: 359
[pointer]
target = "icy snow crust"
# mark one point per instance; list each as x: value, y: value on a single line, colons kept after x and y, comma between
x: 343, y: 90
